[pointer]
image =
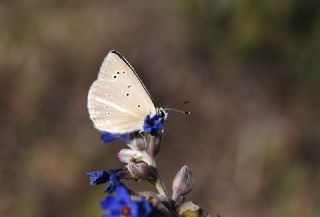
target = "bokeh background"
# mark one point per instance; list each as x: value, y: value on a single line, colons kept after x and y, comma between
x: 251, y: 69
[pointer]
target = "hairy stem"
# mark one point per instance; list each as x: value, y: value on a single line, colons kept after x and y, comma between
x: 161, y: 188
x: 153, y: 142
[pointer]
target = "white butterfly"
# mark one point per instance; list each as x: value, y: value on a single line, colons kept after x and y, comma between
x: 118, y: 101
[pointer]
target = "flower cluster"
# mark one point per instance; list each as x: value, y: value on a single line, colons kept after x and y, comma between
x: 140, y: 165
x: 153, y: 124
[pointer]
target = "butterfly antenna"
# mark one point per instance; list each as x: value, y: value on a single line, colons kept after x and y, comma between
x: 179, y: 103
x: 177, y: 110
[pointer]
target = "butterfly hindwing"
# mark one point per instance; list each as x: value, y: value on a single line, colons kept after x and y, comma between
x: 118, y: 101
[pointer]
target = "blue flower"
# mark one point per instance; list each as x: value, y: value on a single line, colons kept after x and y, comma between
x: 153, y: 124
x: 112, y: 176
x: 114, y: 181
x: 98, y: 177
x: 121, y: 205
x: 109, y: 137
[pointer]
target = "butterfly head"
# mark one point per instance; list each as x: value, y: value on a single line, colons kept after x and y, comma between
x: 161, y: 112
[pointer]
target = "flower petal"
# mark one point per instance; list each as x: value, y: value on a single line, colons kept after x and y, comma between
x: 127, y: 155
x: 98, y: 177
x: 109, y: 137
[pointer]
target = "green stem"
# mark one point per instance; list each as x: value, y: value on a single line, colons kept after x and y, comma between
x: 161, y: 188
x: 159, y: 183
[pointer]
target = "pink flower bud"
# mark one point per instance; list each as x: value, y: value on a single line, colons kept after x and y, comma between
x: 153, y: 144
x: 141, y: 170
x: 182, y: 183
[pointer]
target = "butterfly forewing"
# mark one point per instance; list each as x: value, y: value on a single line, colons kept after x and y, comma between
x: 117, y: 101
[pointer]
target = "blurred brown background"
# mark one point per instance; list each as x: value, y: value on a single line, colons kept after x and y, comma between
x: 251, y: 69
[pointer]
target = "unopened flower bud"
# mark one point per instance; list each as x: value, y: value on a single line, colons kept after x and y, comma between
x: 141, y: 170
x: 153, y: 144
x: 182, y: 183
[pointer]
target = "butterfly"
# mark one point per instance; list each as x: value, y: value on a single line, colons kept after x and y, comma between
x: 119, y: 103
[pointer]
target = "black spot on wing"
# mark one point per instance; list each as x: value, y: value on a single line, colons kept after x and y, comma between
x: 128, y: 64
